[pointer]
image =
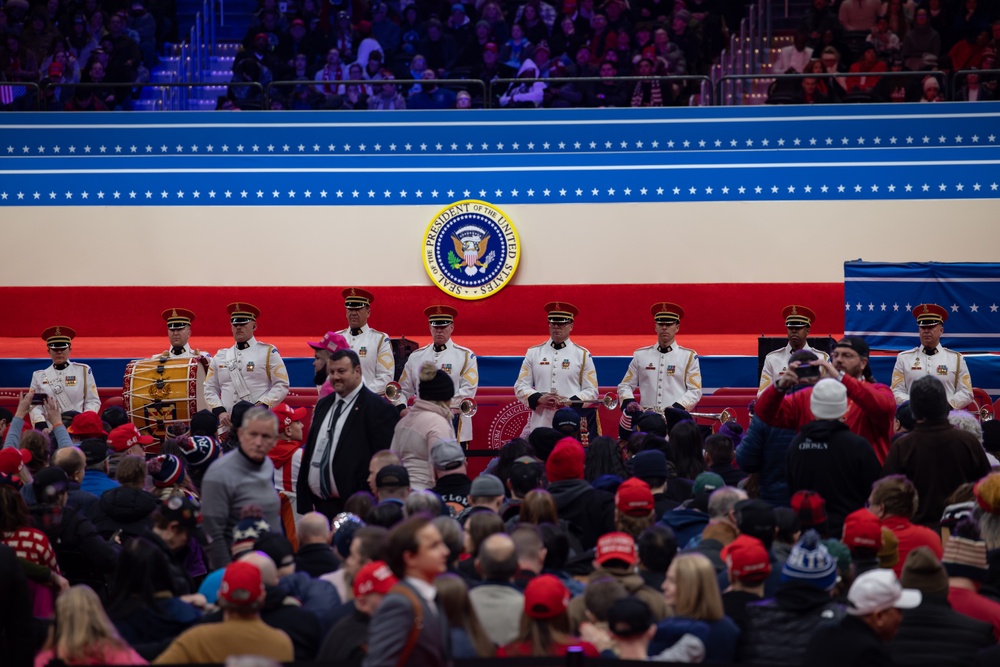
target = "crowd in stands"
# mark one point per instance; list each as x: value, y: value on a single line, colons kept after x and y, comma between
x: 412, y: 44
x: 60, y: 43
x: 861, y: 39
x: 669, y: 543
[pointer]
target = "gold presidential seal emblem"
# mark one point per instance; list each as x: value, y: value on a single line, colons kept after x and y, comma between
x: 471, y: 249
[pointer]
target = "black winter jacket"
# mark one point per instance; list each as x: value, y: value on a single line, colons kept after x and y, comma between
x: 84, y: 556
x: 123, y: 508
x: 778, y: 630
x: 935, y: 634
x: 588, y: 510
x: 841, y: 466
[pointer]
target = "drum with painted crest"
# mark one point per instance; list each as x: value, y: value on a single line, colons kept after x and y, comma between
x: 161, y: 395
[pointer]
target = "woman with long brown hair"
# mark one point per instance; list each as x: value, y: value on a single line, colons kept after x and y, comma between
x: 468, y: 639
x: 539, y: 507
x: 545, y: 623
x: 83, y: 635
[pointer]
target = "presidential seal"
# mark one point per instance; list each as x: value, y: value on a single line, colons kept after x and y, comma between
x: 471, y: 249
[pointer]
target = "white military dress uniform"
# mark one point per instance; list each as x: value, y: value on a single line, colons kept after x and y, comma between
x: 73, y: 387
x: 378, y: 364
x: 776, y: 363
x: 663, y: 378
x: 946, y: 365
x: 251, y: 372
x: 459, y: 363
x: 187, y: 352
x: 568, y: 372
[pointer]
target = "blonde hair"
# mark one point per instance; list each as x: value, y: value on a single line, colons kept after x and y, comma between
x: 698, y: 595
x: 83, y: 633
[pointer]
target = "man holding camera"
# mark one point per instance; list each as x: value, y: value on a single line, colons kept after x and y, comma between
x: 871, y: 406
x: 71, y: 384
x: 798, y: 320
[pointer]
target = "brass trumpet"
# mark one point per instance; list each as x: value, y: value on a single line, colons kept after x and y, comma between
x: 726, y: 415
x: 393, y: 392
x: 984, y: 413
x: 609, y: 401
x: 468, y: 407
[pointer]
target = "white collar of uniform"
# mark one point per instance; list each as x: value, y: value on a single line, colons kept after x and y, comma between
x: 424, y: 589
x: 364, y: 328
x: 251, y: 341
x: 568, y: 342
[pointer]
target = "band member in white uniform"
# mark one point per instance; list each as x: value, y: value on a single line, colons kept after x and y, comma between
x: 798, y: 322
x: 558, y: 373
x: 458, y: 362
x: 378, y: 365
x: 250, y: 370
x: 666, y: 374
x: 178, y: 332
x: 70, y: 383
x: 932, y: 358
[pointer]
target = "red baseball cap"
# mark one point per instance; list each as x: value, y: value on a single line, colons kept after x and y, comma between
x: 12, y: 459
x: 287, y: 415
x: 87, y: 424
x: 374, y: 577
x: 242, y: 585
x: 634, y: 498
x: 616, y: 546
x: 747, y: 559
x: 545, y: 597
x: 125, y: 436
x: 862, y: 529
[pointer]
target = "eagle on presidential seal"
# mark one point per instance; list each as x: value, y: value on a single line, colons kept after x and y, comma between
x: 471, y: 243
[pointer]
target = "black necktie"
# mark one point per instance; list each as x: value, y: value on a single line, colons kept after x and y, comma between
x: 242, y: 346
x: 930, y: 351
x: 324, y: 463
x: 355, y: 332
x: 664, y: 350
x: 558, y: 346
x: 177, y: 350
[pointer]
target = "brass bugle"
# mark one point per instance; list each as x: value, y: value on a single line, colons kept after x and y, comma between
x: 468, y: 407
x: 393, y: 391
x: 985, y: 415
x: 726, y: 415
x: 609, y: 400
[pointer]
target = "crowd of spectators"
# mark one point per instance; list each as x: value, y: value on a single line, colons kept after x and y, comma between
x: 482, y: 41
x: 848, y: 46
x: 654, y: 545
x: 60, y: 43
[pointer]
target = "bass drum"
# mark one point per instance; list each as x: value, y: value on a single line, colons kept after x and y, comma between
x: 161, y: 395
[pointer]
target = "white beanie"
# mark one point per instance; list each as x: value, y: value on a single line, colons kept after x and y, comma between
x: 829, y: 399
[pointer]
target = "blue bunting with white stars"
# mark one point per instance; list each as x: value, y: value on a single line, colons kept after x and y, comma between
x: 880, y: 298
x: 828, y: 153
